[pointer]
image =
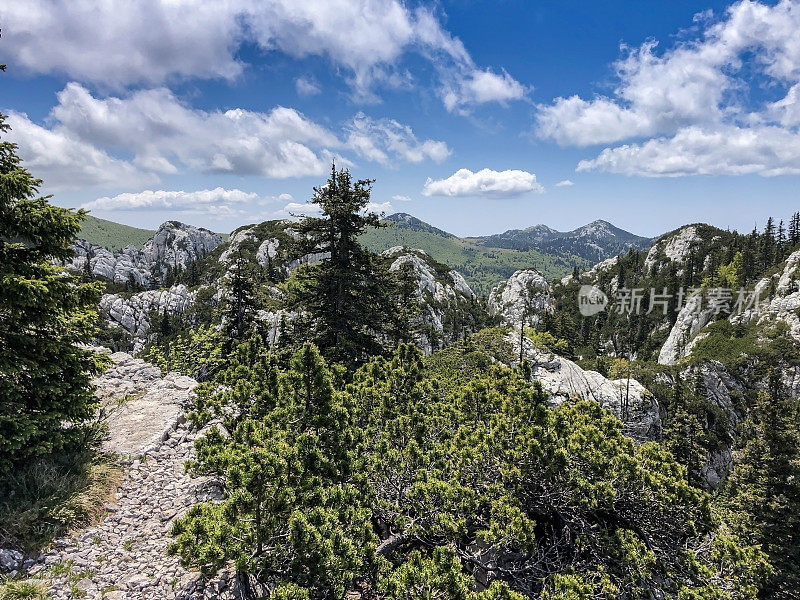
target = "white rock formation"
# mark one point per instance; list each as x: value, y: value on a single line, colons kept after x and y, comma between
x: 133, y: 313
x: 691, y: 319
x: 436, y: 295
x: 676, y: 247
x: 175, y: 245
x: 526, y: 293
x: 562, y: 379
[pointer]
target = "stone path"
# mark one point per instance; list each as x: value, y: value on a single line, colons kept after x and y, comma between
x: 124, y: 556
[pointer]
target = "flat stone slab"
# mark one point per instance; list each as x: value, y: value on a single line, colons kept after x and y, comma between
x: 140, y: 406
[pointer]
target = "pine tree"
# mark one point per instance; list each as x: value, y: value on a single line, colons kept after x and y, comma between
x: 768, y: 244
x: 46, y: 397
x: 780, y: 240
x: 794, y: 229
x: 348, y: 295
x: 240, y: 304
x: 763, y: 491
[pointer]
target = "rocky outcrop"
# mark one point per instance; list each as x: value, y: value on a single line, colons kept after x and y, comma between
x: 125, y: 267
x: 133, y: 313
x: 174, y: 247
x: 440, y: 294
x: 526, y: 295
x: 691, y: 319
x: 676, y: 247
x: 563, y: 380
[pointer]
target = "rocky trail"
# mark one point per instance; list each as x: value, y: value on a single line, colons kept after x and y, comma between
x: 124, y: 556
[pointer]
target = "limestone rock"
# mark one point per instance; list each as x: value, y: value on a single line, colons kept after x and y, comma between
x: 562, y: 379
x: 133, y: 313
x: 691, y: 319
x: 174, y: 246
x: 438, y: 294
x: 526, y: 293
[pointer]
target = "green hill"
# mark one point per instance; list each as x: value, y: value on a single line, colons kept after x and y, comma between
x: 113, y: 236
x: 482, y: 267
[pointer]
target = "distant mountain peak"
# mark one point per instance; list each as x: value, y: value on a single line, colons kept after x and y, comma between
x: 594, y: 241
x: 408, y: 221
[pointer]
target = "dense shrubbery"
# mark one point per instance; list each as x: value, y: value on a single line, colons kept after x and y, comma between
x: 388, y: 484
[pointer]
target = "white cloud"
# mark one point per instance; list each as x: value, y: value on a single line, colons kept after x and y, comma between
x: 161, y: 131
x: 486, y: 182
x: 399, y: 198
x: 565, y: 183
x: 216, y: 201
x: 119, y: 43
x: 306, y: 86
x: 479, y: 87
x: 693, y: 95
x: 159, y: 134
x: 379, y: 207
x: 767, y: 151
x: 386, y: 141
x: 64, y: 161
x: 297, y: 209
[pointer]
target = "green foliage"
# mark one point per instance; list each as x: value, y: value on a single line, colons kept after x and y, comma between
x: 292, y: 512
x: 762, y: 494
x: 196, y: 352
x: 46, y: 497
x: 111, y: 235
x: 402, y: 484
x: 45, y: 375
x: 29, y: 589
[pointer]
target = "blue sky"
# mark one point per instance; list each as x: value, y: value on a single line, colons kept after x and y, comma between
x: 475, y: 116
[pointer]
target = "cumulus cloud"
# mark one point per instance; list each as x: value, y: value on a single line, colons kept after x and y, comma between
x: 693, y: 101
x: 565, y: 183
x: 295, y: 209
x: 479, y: 87
x: 385, y: 141
x: 486, y: 182
x: 159, y: 135
x: 399, y: 198
x: 379, y: 207
x: 64, y: 161
x: 216, y: 201
x: 767, y: 151
x: 118, y: 43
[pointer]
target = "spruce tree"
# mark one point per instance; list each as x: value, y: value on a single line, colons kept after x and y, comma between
x: 348, y: 295
x: 763, y: 491
x: 46, y: 396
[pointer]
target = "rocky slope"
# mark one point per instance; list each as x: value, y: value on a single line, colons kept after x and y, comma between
x: 564, y: 380
x: 173, y: 248
x: 445, y: 298
x: 123, y: 557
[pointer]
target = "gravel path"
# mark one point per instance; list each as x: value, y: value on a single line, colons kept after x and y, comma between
x: 124, y: 556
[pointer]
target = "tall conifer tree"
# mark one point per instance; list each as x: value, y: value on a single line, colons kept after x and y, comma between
x: 348, y: 295
x: 46, y: 397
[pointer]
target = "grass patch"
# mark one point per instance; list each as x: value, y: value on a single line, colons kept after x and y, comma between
x: 29, y: 589
x: 51, y: 495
